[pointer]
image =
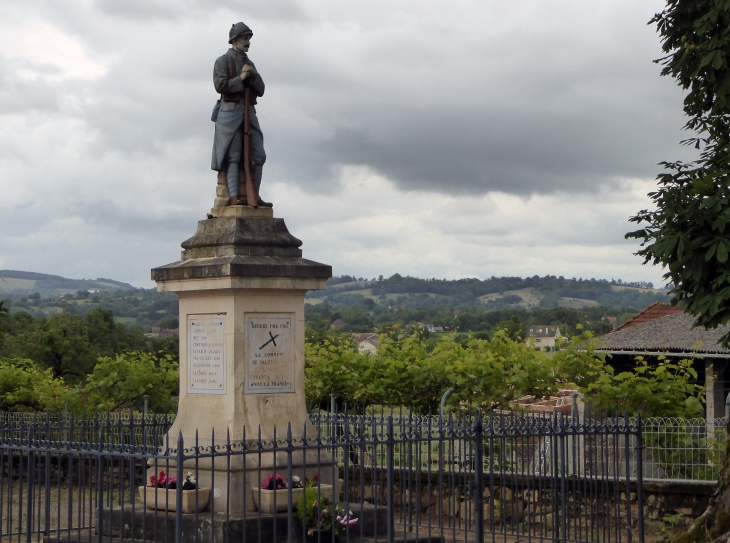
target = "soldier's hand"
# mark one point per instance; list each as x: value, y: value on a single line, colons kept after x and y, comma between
x: 244, y: 73
x: 250, y: 69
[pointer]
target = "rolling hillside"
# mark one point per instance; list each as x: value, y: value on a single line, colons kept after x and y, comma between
x: 21, y: 282
x: 493, y: 293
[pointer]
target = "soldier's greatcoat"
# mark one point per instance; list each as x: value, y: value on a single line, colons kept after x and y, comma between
x: 230, y: 116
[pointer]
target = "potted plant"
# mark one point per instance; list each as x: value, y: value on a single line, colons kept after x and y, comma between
x: 162, y: 493
x: 272, y: 496
x: 323, y: 519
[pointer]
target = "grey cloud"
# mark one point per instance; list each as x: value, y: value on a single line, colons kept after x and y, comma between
x: 448, y: 149
x: 22, y: 95
x: 540, y: 127
x: 178, y: 9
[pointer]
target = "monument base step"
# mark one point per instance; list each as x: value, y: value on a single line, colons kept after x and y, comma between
x: 137, y: 525
x: 85, y: 537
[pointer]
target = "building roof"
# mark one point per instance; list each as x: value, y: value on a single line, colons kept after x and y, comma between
x: 671, y: 333
x: 366, y: 336
x: 656, y: 310
x: 543, y: 330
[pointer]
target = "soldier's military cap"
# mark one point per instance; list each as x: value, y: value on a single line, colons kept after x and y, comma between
x: 238, y: 29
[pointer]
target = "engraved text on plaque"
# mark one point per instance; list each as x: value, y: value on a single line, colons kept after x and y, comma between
x: 206, y: 354
x: 269, y: 353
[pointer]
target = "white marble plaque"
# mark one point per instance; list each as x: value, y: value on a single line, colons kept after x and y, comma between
x: 269, y: 353
x: 206, y: 354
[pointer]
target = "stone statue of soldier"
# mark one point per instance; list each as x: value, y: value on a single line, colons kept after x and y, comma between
x: 232, y: 74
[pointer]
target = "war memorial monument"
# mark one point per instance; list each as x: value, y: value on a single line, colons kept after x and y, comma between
x: 241, y: 282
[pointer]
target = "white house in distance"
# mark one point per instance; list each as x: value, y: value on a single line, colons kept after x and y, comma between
x: 431, y: 328
x: 367, y: 343
x: 543, y: 335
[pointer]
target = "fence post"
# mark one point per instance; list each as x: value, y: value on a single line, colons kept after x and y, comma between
x: 563, y: 486
x: 47, y: 497
x: 555, y: 472
x: 627, y: 453
x: 479, y: 477
x: 31, y: 484
x: 390, y: 453
x: 100, y: 488
x: 178, y: 488
x: 640, y: 477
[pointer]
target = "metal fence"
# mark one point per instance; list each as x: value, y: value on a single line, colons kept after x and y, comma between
x: 674, y: 449
x: 683, y: 449
x: 410, y: 479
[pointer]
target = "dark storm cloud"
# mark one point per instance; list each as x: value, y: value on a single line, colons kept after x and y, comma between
x: 451, y: 150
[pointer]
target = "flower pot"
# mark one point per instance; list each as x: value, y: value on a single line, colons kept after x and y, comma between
x: 321, y: 536
x: 264, y: 501
x: 164, y: 498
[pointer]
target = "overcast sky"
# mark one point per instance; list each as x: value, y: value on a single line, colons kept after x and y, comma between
x: 430, y: 138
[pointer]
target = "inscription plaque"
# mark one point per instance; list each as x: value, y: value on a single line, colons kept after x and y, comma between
x: 269, y: 353
x: 206, y: 354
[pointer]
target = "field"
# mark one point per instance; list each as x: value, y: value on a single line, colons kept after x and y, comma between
x: 9, y: 284
x: 530, y: 297
x: 576, y: 302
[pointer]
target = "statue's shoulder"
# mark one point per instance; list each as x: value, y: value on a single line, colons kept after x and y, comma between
x: 224, y: 57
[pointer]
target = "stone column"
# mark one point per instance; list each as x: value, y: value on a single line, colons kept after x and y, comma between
x: 241, y: 283
x: 714, y: 395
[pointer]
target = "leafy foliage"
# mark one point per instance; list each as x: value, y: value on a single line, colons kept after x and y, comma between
x: 664, y: 389
x: 137, y: 308
x: 115, y: 383
x: 463, y: 319
x: 70, y: 345
x: 23, y: 387
x: 121, y: 381
x: 409, y: 371
x: 686, y: 232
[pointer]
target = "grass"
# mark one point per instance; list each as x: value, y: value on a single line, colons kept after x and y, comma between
x: 530, y: 297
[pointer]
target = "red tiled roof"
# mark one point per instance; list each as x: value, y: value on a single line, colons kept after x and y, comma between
x: 368, y: 335
x: 655, y: 311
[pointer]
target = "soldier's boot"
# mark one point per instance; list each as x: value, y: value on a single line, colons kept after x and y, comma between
x: 258, y: 170
x: 232, y: 182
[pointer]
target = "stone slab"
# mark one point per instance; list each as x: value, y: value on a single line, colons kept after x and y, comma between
x: 144, y: 524
x: 242, y: 246
x: 271, y: 284
x: 243, y: 212
x: 400, y: 537
x: 242, y: 266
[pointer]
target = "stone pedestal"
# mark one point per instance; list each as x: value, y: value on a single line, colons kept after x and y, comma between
x: 222, y: 195
x: 241, y: 283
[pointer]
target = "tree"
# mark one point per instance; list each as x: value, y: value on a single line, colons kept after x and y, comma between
x: 686, y: 232
x: 4, y: 325
x: 122, y: 381
x: 412, y: 372
x: 59, y: 343
x: 514, y: 328
x: 23, y: 387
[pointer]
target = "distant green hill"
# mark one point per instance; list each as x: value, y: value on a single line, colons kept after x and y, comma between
x: 492, y: 293
x: 22, y: 282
